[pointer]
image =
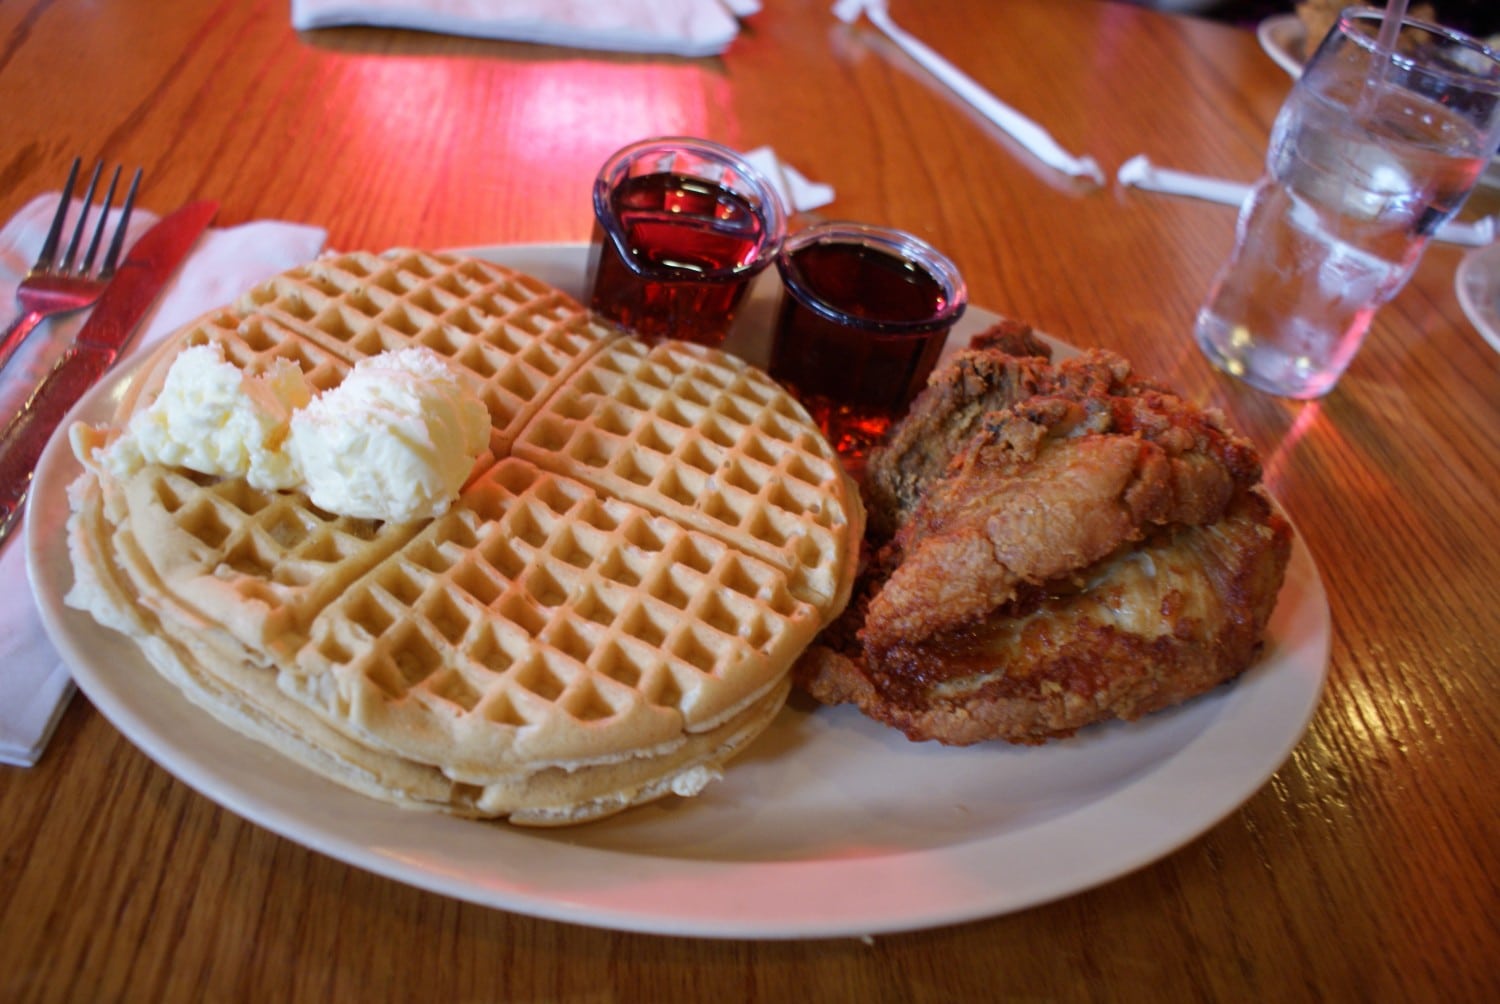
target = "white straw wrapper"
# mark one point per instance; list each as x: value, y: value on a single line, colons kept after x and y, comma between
x: 1139, y: 172
x: 799, y: 193
x: 1028, y: 133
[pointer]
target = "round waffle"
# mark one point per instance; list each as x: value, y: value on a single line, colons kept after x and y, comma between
x: 605, y: 615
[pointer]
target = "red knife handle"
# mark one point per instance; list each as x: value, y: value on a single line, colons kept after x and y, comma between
x: 26, y: 436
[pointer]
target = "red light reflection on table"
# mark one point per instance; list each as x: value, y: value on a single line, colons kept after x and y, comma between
x: 611, y: 105
x: 1274, y: 465
x: 541, y: 120
x: 509, y: 147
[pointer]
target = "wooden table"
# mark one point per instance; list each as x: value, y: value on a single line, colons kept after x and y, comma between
x: 1364, y: 870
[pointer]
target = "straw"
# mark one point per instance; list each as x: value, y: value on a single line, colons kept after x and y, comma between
x: 1380, y: 61
x: 1139, y: 172
x: 1028, y: 133
x: 1390, y: 27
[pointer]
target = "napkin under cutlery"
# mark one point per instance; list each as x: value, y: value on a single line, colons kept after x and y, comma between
x: 671, y: 27
x: 34, y: 683
x: 1140, y: 172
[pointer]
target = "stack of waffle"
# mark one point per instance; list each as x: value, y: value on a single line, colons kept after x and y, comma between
x: 604, y: 616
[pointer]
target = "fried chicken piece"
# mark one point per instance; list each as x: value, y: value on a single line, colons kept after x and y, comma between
x: 1047, y: 487
x: 1003, y: 365
x: 1147, y: 628
x: 1012, y: 338
x: 1092, y: 546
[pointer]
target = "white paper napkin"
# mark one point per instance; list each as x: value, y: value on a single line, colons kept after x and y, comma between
x: 798, y: 193
x: 1139, y: 172
x: 34, y: 684
x: 1024, y: 130
x: 671, y: 27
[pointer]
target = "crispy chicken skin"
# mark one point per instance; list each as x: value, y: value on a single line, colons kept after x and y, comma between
x: 1046, y: 487
x: 1003, y: 366
x: 1088, y: 546
x: 1146, y: 629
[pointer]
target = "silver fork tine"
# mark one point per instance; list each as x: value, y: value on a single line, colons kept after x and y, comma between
x: 109, y: 199
x: 83, y: 218
x: 49, y: 288
x: 118, y: 243
x: 49, y: 246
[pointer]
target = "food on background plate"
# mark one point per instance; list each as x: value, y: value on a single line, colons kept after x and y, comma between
x: 1479, y: 18
x: 1051, y: 545
x: 605, y: 611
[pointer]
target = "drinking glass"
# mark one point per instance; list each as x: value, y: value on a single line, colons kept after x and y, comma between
x: 1370, y: 154
x: 681, y: 227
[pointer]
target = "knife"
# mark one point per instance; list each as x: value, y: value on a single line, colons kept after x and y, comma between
x: 109, y: 328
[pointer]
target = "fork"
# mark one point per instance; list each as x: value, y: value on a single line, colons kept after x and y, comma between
x: 59, y: 287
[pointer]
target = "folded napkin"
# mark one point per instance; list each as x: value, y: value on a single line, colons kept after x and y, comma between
x: 1139, y: 172
x: 1028, y: 133
x: 34, y: 684
x: 798, y: 193
x: 671, y: 27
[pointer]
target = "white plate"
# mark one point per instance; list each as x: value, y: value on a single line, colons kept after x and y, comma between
x: 1284, y: 40
x: 830, y: 825
x: 1478, y: 283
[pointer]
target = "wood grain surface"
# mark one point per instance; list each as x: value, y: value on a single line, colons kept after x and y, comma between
x: 1365, y: 870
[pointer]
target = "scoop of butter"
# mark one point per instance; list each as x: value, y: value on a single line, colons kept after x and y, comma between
x: 396, y: 440
x: 214, y: 418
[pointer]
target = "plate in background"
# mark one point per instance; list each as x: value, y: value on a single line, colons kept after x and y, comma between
x: 1478, y: 284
